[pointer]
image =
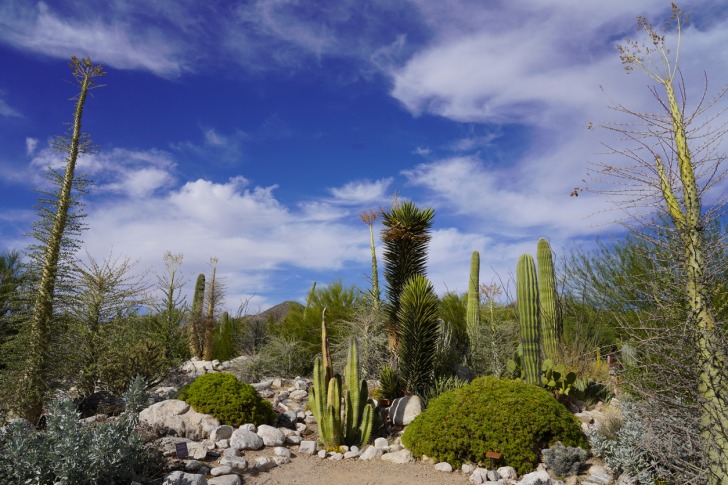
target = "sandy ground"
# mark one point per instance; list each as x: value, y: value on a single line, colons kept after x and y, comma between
x: 305, y: 469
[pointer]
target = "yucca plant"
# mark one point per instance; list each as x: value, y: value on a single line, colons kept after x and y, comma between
x: 406, y: 236
x: 418, y: 327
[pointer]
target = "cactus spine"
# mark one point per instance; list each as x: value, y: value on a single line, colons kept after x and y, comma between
x: 359, y: 411
x: 528, y: 312
x: 551, y: 328
x: 473, y: 312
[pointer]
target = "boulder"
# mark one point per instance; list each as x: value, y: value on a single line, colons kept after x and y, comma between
x: 182, y: 478
x: 479, y: 475
x: 243, y: 439
x: 223, y: 432
x: 176, y: 417
x: 271, y: 436
x: 404, y: 410
x: 540, y: 477
x: 401, y: 456
x: 507, y: 473
x: 307, y: 447
x: 225, y: 480
x: 443, y: 466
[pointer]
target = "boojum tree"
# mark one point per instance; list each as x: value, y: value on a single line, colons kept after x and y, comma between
x: 674, y: 166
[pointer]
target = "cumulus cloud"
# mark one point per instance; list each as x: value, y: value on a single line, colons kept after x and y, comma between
x: 362, y: 192
x: 30, y: 145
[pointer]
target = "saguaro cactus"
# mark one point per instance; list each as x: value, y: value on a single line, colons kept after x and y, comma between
x: 473, y: 313
x: 551, y: 329
x: 528, y: 312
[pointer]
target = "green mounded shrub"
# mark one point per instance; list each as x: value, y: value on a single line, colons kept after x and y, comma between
x: 510, y: 417
x: 232, y: 402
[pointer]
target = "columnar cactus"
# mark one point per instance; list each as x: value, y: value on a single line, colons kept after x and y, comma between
x: 551, y: 328
x: 473, y: 314
x: 359, y: 410
x: 528, y: 312
x: 325, y: 399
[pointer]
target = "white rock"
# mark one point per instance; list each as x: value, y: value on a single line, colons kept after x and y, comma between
x: 479, y: 475
x: 351, y: 454
x: 282, y: 451
x: 371, y: 453
x: 271, y: 436
x: 298, y: 395
x: 196, y: 450
x: 293, y: 439
x: 508, y: 473
x: 281, y: 460
x: 394, y: 448
x: 246, y: 440
x: 381, y: 443
x: 277, y: 382
x: 264, y: 463
x: 221, y: 470
x: 405, y: 409
x: 249, y: 427
x: 193, y: 466
x: 322, y: 454
x: 401, y: 456
x: 540, y: 477
x: 225, y: 480
x: 307, y: 447
x: 182, y: 478
x: 468, y: 468
x: 222, y: 444
x: 237, y: 462
x: 336, y: 456
x: 493, y: 476
x: 443, y: 466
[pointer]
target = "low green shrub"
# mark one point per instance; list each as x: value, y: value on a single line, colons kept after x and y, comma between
x: 227, y: 399
x: 510, y: 417
x: 71, y: 452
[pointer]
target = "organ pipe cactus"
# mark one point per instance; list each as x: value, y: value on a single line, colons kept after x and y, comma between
x: 473, y: 312
x: 528, y: 312
x: 551, y: 328
x: 354, y: 427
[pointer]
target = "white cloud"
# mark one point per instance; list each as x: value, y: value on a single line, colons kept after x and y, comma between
x: 7, y: 110
x: 362, y: 192
x: 120, y: 43
x: 30, y: 145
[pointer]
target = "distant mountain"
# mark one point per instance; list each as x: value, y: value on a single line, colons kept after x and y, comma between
x: 275, y: 313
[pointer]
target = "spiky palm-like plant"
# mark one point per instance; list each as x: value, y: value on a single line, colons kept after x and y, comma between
x: 418, y: 328
x: 406, y: 236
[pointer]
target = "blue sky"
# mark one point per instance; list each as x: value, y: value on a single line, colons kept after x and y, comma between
x: 256, y: 132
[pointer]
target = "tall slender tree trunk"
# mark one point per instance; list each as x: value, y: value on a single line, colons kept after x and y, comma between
x: 713, y: 388
x: 36, y: 371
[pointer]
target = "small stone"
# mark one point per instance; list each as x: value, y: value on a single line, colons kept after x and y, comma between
x: 221, y: 470
x: 394, y: 448
x: 293, y: 440
x: 307, y: 447
x: 277, y: 382
x: 443, y: 466
x: 249, y: 427
x: 282, y: 451
x: 336, y: 456
x: 298, y: 395
x: 230, y: 452
x: 246, y: 440
x: 309, y: 419
x: 539, y: 477
x: 354, y: 448
x: 264, y: 463
x: 193, y: 466
x: 222, y: 444
x: 493, y: 476
x: 237, y: 462
x: 182, y: 478
x: 507, y: 473
x: 351, y: 454
x: 223, y: 432
x: 301, y: 384
x: 381, y: 442
x: 401, y: 456
x: 372, y: 453
x: 271, y: 436
x: 225, y: 480
x: 196, y: 450
x: 468, y: 468
x: 322, y: 454
x: 404, y: 410
x: 479, y: 475
x: 281, y: 460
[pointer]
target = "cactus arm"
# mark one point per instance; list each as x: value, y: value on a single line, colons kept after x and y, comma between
x: 550, y: 324
x: 528, y: 311
x: 473, y: 312
x: 367, y: 423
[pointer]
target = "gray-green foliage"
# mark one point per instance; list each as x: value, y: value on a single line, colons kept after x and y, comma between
x: 442, y: 384
x: 454, y: 343
x: 74, y: 453
x: 565, y: 460
x: 281, y: 356
x: 634, y: 445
